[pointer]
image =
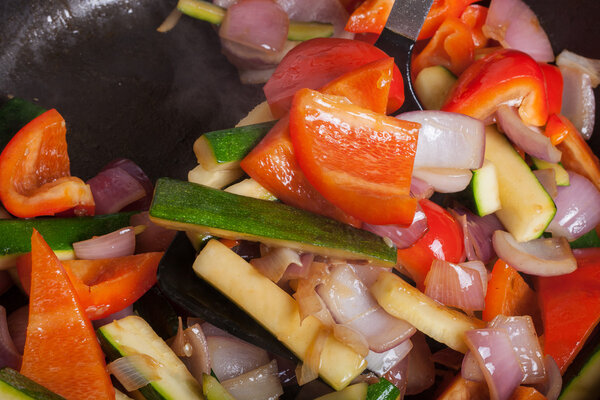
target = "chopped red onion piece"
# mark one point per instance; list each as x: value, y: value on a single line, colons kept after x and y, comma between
x: 455, y: 286
x: 113, y: 189
x: 447, y: 140
x: 480, y: 268
x: 211, y: 330
x: 139, y: 175
x: 445, y: 180
x: 530, y: 141
x: 589, y: 66
x: 578, y: 101
x: 540, y: 257
x: 252, y: 62
x: 402, y: 237
x: 470, y: 369
x: 274, y: 263
x: 547, y: 177
x: 552, y: 385
x: 17, y: 326
x: 525, y: 344
x: 115, y: 244
x: 351, y: 338
x: 198, y: 362
x: 127, y: 311
x: 350, y: 303
x: 577, y: 210
x: 6, y: 282
x: 134, y: 371
x: 381, y: 363
x: 231, y: 357
x: 260, y: 383
x: 515, y: 26
x: 398, y: 376
x: 420, y: 189
x: 298, y: 271
x: 368, y: 274
x: 448, y: 357
x: 154, y: 237
x: 421, y: 371
x: 496, y: 358
x: 259, y: 24
x: 9, y: 355
x: 478, y: 233
x: 255, y: 76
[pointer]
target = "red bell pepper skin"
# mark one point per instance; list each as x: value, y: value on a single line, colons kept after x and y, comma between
x: 104, y: 286
x: 474, y: 17
x: 443, y: 240
x: 558, y: 128
x: 327, y: 131
x: 500, y: 77
x: 370, y: 16
x: 316, y: 62
x: 570, y: 307
x: 451, y: 46
x: 34, y: 172
x: 439, y: 11
x: 554, y: 87
x: 62, y: 352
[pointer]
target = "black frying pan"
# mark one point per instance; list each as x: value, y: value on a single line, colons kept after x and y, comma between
x: 126, y: 90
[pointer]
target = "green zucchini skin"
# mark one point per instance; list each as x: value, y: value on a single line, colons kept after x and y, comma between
x: 187, y: 206
x: 586, y: 384
x: 14, y: 386
x: 382, y: 390
x: 14, y: 115
x: 59, y: 233
x: 235, y: 143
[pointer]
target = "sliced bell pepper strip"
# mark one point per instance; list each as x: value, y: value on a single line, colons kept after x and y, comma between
x: 526, y: 393
x: 554, y: 87
x: 570, y: 307
x: 451, y: 46
x: 508, y: 294
x: 62, y: 352
x: 474, y: 17
x: 327, y: 131
x: 503, y: 76
x: 272, y: 162
x: 558, y: 128
x: 443, y: 240
x: 578, y: 156
x: 370, y: 16
x: 104, y: 286
x: 316, y: 62
x: 439, y: 11
x: 34, y: 172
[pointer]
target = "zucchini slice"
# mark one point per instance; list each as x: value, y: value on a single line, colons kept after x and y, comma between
x: 213, y: 390
x: 14, y: 386
x: 527, y: 208
x: 276, y: 310
x: 190, y: 207
x: 250, y: 188
x: 432, y: 86
x: 216, y: 178
x: 437, y: 321
x: 358, y: 391
x: 224, y: 149
x: 561, y: 174
x: 482, y: 195
x: 15, y: 114
x: 586, y: 384
x: 60, y: 233
x: 132, y: 335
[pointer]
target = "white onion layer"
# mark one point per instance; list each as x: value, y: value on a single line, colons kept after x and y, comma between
x: 119, y: 243
x: 578, y: 100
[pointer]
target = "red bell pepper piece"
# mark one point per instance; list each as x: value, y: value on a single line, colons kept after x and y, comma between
x: 451, y: 46
x: 508, y: 294
x: 317, y: 62
x: 370, y: 16
x: 474, y: 17
x: 327, y: 131
x: 34, y: 172
x: 554, y: 87
x: 439, y: 11
x: 501, y: 77
x: 273, y: 164
x: 558, y: 128
x: 570, y: 307
x: 443, y: 240
x: 577, y: 155
x: 62, y: 352
x: 104, y: 286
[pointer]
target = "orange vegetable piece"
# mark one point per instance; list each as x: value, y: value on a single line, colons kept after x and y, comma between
x: 439, y: 11
x: 62, y: 352
x: 578, y: 157
x: 554, y: 87
x: 451, y: 46
x: 508, y: 294
x: 327, y: 131
x: 35, y: 178
x: 474, y: 17
x: 370, y: 16
x: 527, y: 393
x: 558, y: 128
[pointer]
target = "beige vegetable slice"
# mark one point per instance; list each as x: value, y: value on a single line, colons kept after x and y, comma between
x: 437, y: 321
